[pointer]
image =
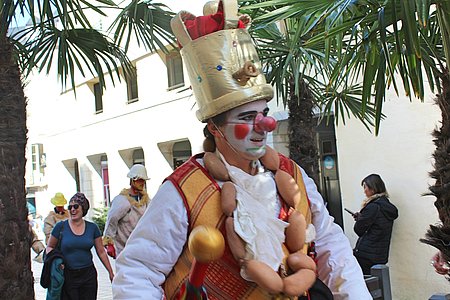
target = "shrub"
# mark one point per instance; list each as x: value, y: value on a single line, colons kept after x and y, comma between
x: 99, y: 217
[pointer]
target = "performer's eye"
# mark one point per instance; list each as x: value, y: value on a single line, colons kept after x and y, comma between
x: 249, y: 118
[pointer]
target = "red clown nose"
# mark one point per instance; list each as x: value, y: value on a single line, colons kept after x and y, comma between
x: 264, y: 124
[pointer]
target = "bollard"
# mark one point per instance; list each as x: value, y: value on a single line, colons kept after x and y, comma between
x: 382, y: 273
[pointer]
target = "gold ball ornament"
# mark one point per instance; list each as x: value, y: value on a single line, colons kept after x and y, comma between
x: 206, y: 243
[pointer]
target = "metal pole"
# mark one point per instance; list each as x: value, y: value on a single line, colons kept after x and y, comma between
x: 382, y: 272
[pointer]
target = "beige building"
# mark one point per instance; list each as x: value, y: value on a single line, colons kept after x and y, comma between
x: 87, y: 143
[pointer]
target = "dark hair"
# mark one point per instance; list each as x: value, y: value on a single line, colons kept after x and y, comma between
x: 209, y: 145
x: 375, y: 183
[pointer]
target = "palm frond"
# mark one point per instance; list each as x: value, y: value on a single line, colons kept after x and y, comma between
x: 87, y: 49
x: 150, y: 23
x: 378, y: 42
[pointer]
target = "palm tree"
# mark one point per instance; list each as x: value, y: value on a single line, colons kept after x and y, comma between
x: 58, y: 33
x: 301, y: 129
x: 298, y: 71
x: 382, y: 41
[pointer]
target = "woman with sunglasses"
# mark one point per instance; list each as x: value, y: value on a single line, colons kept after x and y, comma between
x: 77, y: 236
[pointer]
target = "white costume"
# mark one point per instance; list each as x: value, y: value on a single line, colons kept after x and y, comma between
x: 157, y: 241
x: 123, y: 216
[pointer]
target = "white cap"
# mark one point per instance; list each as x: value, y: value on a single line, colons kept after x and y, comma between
x: 138, y: 171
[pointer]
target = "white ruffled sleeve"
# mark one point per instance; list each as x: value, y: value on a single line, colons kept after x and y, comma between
x: 337, y: 267
x: 153, y: 248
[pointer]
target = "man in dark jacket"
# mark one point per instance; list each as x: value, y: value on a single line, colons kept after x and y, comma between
x: 374, y: 224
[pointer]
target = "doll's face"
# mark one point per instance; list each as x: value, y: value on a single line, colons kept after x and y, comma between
x: 239, y: 129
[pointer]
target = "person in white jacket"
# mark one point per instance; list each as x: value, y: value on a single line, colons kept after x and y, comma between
x: 232, y: 96
x: 126, y: 210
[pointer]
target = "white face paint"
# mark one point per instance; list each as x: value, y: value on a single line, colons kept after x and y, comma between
x: 240, y: 133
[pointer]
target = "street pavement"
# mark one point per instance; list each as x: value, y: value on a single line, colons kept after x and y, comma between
x: 104, y: 285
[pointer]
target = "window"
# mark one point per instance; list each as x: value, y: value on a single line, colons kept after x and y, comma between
x: 105, y: 180
x: 37, y: 158
x: 34, y: 157
x: 132, y: 87
x: 174, y: 71
x: 38, y: 165
x: 327, y: 147
x: 181, y: 152
x: 138, y: 157
x: 31, y: 205
x: 98, y: 98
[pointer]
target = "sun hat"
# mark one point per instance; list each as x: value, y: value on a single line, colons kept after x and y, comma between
x: 59, y: 200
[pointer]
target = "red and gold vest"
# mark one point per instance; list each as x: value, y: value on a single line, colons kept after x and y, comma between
x: 201, y: 196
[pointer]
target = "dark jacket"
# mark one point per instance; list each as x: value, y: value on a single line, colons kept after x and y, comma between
x: 374, y: 228
x: 57, y: 280
x: 49, y: 258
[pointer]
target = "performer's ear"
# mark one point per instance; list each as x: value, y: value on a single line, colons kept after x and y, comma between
x: 214, y: 130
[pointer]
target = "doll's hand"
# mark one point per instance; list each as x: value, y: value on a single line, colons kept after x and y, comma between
x: 111, y: 250
x: 246, y: 20
x: 439, y: 264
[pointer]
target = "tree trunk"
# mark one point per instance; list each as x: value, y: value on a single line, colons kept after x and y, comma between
x: 302, y: 134
x: 439, y: 236
x: 16, y: 278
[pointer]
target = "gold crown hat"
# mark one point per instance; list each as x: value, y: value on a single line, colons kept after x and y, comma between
x: 223, y: 66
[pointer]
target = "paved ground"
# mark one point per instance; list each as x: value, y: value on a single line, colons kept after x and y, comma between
x: 104, y: 285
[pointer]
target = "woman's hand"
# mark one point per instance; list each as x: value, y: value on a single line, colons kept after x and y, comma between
x: 356, y: 216
x: 439, y: 264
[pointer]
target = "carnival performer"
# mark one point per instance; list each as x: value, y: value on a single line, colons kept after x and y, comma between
x: 126, y: 210
x: 232, y: 95
x: 59, y: 213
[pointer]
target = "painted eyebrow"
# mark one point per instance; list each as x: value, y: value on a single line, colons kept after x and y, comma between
x: 252, y: 112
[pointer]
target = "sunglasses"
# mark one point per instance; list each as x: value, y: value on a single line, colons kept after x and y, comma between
x: 75, y: 206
